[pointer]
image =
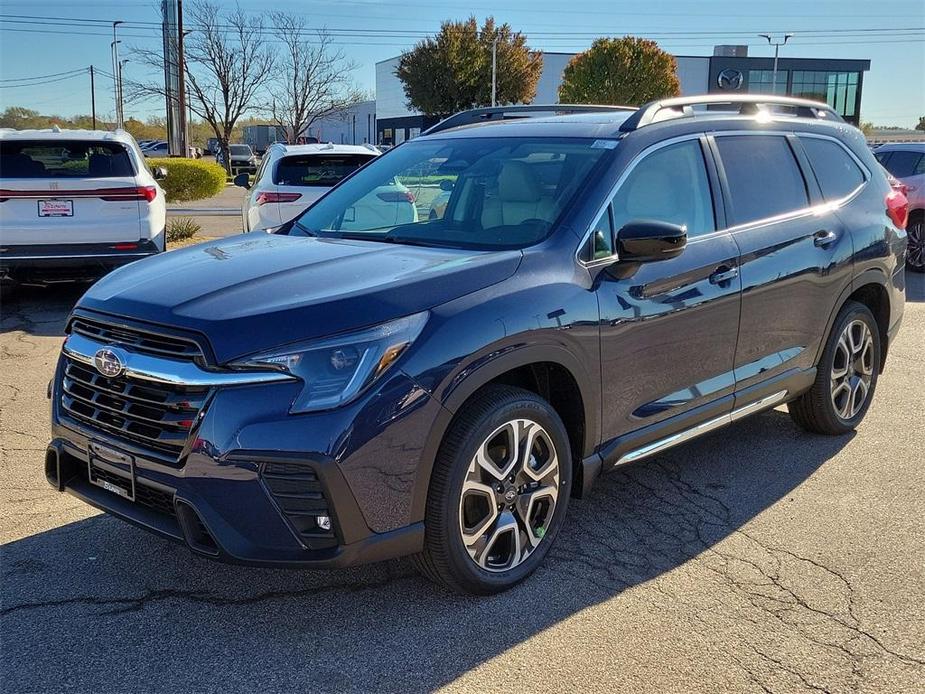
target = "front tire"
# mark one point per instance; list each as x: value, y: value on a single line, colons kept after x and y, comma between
x: 846, y: 376
x: 498, y: 493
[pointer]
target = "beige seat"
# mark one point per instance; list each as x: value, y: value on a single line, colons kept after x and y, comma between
x: 520, y: 197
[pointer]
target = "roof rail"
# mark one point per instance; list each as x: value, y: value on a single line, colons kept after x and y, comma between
x: 748, y: 104
x: 481, y: 115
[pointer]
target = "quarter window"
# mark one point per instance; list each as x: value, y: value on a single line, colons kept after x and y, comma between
x: 763, y: 177
x: 669, y: 185
x: 837, y: 173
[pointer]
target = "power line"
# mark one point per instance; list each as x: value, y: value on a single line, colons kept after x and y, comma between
x: 41, y: 77
x: 37, y: 84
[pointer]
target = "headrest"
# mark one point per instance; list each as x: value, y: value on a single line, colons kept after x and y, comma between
x: 518, y: 183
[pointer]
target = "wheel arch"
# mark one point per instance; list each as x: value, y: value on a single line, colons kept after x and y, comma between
x: 550, y: 371
x: 868, y: 288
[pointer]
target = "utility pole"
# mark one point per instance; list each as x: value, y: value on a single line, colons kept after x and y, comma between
x: 181, y: 87
x: 494, y: 72
x: 121, y: 99
x: 777, y: 45
x: 116, y: 75
x: 92, y: 98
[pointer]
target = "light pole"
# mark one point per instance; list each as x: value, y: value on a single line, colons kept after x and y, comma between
x: 121, y: 99
x: 777, y: 45
x: 115, y: 72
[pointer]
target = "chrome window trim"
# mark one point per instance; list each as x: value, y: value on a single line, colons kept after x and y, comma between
x: 168, y: 371
x: 813, y: 210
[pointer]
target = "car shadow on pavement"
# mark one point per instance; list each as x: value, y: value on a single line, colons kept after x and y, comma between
x: 39, y: 311
x: 98, y: 605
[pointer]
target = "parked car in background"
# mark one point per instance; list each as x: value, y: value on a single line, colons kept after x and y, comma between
x: 243, y: 159
x: 158, y: 148
x: 75, y: 203
x: 906, y: 161
x: 292, y: 177
x: 602, y: 286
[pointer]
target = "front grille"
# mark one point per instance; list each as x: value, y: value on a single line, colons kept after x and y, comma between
x: 137, y: 340
x: 152, y: 415
x: 300, y: 496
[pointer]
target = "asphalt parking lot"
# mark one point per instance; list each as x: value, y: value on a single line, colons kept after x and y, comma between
x: 757, y: 559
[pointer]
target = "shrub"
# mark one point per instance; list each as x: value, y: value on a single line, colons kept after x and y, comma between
x: 189, y: 179
x: 181, y: 228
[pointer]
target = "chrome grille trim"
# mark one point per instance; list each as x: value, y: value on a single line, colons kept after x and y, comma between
x: 174, y: 372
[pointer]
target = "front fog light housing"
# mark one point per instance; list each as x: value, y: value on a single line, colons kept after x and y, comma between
x: 323, y: 522
x: 336, y: 370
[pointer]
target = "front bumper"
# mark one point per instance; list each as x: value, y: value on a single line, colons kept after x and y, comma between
x: 253, y: 480
x: 67, y: 262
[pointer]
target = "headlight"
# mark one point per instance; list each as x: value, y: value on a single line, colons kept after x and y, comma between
x: 335, y: 370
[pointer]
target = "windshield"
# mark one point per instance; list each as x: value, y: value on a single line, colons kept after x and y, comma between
x: 240, y: 150
x: 480, y: 192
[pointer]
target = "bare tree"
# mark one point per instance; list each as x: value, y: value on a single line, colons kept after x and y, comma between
x: 313, y: 77
x: 228, y: 63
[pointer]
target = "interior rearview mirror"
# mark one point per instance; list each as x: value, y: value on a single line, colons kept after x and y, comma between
x: 242, y: 180
x: 648, y: 240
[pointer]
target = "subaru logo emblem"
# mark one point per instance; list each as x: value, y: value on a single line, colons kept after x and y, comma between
x: 108, y: 362
x: 730, y: 79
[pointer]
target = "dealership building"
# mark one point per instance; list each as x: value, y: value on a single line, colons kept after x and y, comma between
x: 730, y: 70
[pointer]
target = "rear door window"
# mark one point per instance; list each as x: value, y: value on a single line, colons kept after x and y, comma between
x: 904, y: 163
x: 324, y: 170
x: 837, y: 173
x: 763, y: 176
x: 63, y: 159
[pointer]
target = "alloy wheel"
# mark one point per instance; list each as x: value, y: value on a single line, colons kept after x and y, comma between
x: 915, y: 248
x: 852, y: 369
x: 509, y: 495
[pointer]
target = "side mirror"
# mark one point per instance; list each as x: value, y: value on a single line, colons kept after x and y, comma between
x: 648, y: 240
x: 242, y: 180
x: 446, y: 185
x: 160, y: 173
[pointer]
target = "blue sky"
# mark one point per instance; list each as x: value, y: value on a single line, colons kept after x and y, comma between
x: 40, y: 40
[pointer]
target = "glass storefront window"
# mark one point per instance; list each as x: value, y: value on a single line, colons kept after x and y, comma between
x: 762, y: 82
x: 838, y: 89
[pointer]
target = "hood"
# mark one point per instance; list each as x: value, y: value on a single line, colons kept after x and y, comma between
x: 259, y: 291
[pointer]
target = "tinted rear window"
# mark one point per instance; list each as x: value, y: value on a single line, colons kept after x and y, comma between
x: 763, y: 175
x: 836, y: 171
x: 903, y: 163
x: 317, y: 169
x: 63, y: 159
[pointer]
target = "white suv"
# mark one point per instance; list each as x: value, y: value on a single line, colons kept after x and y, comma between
x: 75, y: 204
x: 292, y: 177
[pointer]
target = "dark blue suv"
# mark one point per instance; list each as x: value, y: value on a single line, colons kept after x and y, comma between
x: 579, y: 290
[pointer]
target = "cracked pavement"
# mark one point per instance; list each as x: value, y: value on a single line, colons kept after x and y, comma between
x: 756, y: 559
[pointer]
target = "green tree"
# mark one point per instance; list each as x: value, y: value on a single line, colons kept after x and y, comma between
x: 921, y: 124
x: 452, y: 71
x: 628, y: 71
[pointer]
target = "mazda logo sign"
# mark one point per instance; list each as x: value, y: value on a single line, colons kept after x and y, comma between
x: 108, y: 362
x: 730, y: 79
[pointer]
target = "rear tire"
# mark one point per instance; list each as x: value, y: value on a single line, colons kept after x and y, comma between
x: 846, y: 376
x: 498, y: 493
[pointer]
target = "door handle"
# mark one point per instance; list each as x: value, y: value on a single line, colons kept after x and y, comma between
x: 724, y: 273
x: 824, y: 237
